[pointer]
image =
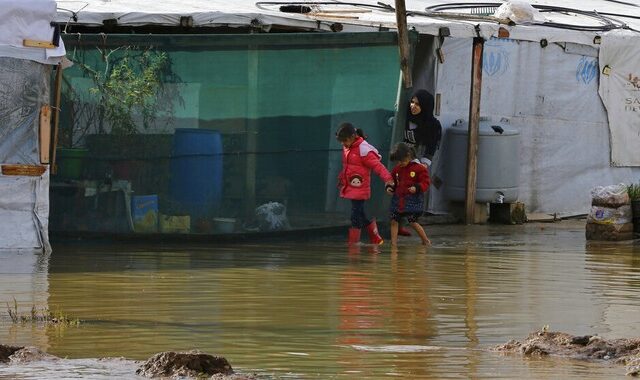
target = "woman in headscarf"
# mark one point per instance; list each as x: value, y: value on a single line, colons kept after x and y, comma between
x: 422, y: 130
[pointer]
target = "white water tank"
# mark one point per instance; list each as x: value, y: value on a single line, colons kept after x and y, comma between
x: 498, y: 163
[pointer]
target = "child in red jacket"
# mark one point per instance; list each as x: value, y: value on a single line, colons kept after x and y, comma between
x: 411, y: 180
x: 359, y: 158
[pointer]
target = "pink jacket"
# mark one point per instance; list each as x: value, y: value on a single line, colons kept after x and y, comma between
x: 358, y: 160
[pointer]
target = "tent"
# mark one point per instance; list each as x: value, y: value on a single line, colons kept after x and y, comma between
x: 28, y: 48
x: 568, y: 81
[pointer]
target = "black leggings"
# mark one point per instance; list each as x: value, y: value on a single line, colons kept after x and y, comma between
x: 358, y: 218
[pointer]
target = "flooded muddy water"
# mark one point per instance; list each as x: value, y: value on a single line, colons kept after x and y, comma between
x: 315, y: 309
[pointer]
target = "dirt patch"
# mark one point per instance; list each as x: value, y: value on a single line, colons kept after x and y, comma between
x: 184, y: 364
x: 585, y: 347
x: 13, y: 355
x: 6, y: 352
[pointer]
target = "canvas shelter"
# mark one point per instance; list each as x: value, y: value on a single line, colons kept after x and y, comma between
x: 27, y: 53
x: 275, y: 78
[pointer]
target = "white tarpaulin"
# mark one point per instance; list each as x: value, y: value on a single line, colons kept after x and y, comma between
x: 352, y: 16
x: 620, y: 92
x: 24, y: 200
x: 22, y: 20
x: 551, y: 95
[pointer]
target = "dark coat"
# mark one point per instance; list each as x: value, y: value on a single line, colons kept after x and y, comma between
x: 423, y: 129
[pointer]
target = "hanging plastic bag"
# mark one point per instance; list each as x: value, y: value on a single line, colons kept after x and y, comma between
x: 610, y: 196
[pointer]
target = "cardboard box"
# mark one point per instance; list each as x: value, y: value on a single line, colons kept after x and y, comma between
x: 174, y: 224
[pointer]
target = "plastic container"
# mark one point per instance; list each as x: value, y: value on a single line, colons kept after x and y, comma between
x: 498, y: 171
x: 144, y: 210
x: 195, y: 186
x: 70, y: 162
x: 224, y: 225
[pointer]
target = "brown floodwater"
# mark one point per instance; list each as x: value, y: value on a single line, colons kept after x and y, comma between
x: 314, y: 309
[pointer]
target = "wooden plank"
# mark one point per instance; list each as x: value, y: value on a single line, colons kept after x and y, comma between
x: 233, y: 41
x: 403, y: 42
x: 25, y: 170
x: 38, y: 44
x: 56, y: 118
x: 45, y: 133
x: 474, y: 124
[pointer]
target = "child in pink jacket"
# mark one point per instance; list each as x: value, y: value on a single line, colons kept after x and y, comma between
x: 359, y: 158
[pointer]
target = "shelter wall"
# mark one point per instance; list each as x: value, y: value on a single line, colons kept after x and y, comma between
x: 551, y: 95
x: 276, y: 100
x: 23, y: 199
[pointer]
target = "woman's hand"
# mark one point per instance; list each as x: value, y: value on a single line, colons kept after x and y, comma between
x: 412, y: 189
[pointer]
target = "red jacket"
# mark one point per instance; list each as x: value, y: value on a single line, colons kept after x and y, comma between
x: 358, y: 161
x: 414, y: 174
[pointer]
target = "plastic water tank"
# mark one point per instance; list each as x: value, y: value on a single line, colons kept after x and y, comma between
x: 195, y: 187
x: 498, y: 173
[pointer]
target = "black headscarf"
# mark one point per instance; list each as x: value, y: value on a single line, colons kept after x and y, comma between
x: 429, y: 130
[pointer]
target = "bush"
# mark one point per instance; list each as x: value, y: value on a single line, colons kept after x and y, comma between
x: 634, y: 191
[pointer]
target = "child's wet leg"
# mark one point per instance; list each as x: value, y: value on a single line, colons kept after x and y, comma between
x: 394, y: 232
x: 420, y: 231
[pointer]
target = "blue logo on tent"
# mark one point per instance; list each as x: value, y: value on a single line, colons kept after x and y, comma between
x: 495, y: 62
x: 587, y: 70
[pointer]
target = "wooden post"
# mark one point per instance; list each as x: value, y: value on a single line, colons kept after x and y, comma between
x: 403, y: 42
x: 474, y: 125
x: 56, y: 118
x: 45, y: 134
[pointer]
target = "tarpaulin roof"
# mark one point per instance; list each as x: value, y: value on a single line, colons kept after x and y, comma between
x: 22, y: 20
x: 352, y: 16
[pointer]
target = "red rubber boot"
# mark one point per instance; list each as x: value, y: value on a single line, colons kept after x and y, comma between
x: 374, y: 236
x: 354, y: 236
x: 404, y: 231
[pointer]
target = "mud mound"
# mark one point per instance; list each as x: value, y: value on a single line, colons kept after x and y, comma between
x: 586, y: 347
x: 31, y: 354
x: 184, y: 364
x: 6, y: 352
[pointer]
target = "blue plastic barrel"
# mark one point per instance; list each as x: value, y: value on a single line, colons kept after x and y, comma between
x: 195, y: 187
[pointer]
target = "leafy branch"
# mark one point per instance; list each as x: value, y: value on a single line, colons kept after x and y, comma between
x: 128, y: 89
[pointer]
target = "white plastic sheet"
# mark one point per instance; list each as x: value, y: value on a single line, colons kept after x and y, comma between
x: 240, y: 13
x: 28, y: 20
x: 551, y: 96
x: 24, y: 200
x: 620, y: 92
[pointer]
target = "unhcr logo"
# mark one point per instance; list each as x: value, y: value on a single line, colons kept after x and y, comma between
x: 632, y: 103
x: 634, y: 82
x: 587, y: 70
x: 495, y: 62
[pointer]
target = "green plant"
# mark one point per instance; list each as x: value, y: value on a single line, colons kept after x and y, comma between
x: 634, y: 191
x: 127, y: 93
x: 43, y: 315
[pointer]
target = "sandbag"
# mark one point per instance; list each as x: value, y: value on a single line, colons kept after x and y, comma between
x: 611, y: 232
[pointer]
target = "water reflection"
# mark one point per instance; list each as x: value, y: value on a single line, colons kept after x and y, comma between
x: 321, y: 309
x: 23, y: 284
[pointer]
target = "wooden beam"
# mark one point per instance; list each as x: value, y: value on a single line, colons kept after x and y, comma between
x: 403, y: 42
x: 45, y: 133
x: 474, y: 126
x: 38, y: 44
x: 56, y: 118
x: 23, y: 170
